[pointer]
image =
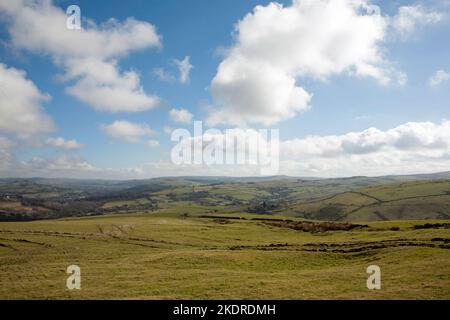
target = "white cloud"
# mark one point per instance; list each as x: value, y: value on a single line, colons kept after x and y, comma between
x: 152, y: 143
x: 89, y: 56
x: 168, y: 130
x: 410, y: 18
x: 128, y: 131
x: 184, y: 68
x: 275, y: 46
x: 412, y: 136
x: 102, y: 87
x: 6, y: 157
x: 53, y: 167
x: 181, y: 115
x: 163, y: 75
x: 59, y: 163
x: 21, y: 111
x: 411, y: 147
x: 60, y: 142
x: 5, y: 143
x: 415, y: 147
x: 402, y: 78
x: 437, y: 78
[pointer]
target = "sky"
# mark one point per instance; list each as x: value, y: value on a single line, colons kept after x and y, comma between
x: 355, y: 87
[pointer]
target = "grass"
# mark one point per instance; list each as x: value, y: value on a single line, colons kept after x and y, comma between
x: 164, y: 256
x: 12, y: 205
x: 407, y: 190
x: 392, y: 201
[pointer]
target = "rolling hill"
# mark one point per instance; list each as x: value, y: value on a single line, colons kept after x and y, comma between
x: 341, y: 199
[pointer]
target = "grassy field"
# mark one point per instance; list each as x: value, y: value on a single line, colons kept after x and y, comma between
x: 342, y: 199
x: 392, y: 201
x: 165, y: 256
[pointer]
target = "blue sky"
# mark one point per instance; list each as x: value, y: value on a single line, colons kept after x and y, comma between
x: 204, y: 31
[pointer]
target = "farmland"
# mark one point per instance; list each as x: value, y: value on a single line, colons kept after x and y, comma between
x: 186, y: 238
x: 349, y: 199
x: 165, y: 256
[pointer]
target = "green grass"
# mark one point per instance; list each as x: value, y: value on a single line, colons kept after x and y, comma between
x: 395, y: 191
x: 162, y: 256
x: 393, y: 201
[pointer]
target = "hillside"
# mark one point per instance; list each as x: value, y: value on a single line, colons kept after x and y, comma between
x: 352, y: 199
x: 162, y: 256
x: 189, y: 238
x: 394, y: 201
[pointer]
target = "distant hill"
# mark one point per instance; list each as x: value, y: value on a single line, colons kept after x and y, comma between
x: 422, y: 196
x: 429, y: 199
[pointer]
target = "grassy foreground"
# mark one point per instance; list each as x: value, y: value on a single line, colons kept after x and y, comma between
x: 170, y: 257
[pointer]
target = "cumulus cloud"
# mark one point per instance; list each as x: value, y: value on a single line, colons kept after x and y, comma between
x: 89, y: 56
x: 439, y: 77
x: 412, y: 136
x: 410, y: 147
x: 62, y: 143
x: 61, y: 166
x: 128, y: 131
x: 163, y: 75
x: 184, y: 68
x: 410, y: 18
x: 21, y: 111
x: 6, y: 157
x: 181, y: 115
x: 168, y: 130
x: 414, y: 147
x: 102, y: 87
x: 275, y: 46
x: 60, y: 163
